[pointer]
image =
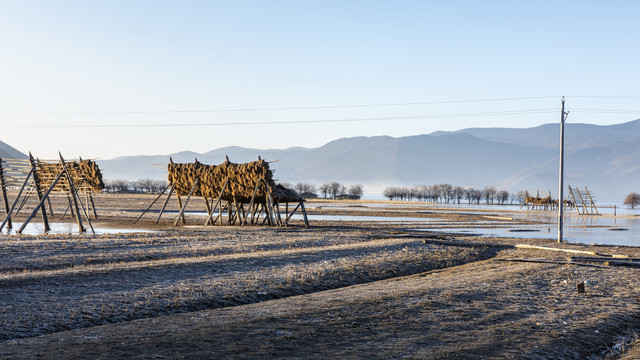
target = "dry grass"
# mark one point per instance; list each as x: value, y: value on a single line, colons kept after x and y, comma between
x: 347, y: 290
x: 55, y: 283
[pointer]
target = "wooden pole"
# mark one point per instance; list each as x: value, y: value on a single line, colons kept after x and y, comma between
x: 272, y: 218
x: 70, y: 205
x: 304, y: 214
x: 253, y: 198
x: 74, y: 194
x: 584, y: 206
x: 216, y: 204
x: 289, y: 216
x: 238, y: 215
x: 154, y: 201
x: 164, y: 206
x: 222, y: 208
x: 8, y: 217
x: 267, y: 218
x: 593, y: 206
x: 65, y: 210
x: 50, y: 207
x: 93, y: 206
x: 258, y: 211
x: 212, y: 221
x: 36, y: 181
x: 186, y: 201
x: 23, y: 202
x: 207, y: 205
x: 276, y: 207
x: 45, y: 196
x: 180, y: 207
x: 4, y: 194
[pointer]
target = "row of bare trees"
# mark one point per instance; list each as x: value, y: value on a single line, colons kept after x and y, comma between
x: 142, y: 186
x: 328, y: 190
x: 448, y: 193
x: 150, y: 186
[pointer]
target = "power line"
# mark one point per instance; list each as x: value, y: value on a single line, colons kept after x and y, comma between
x: 286, y: 108
x: 603, y: 97
x: 277, y: 122
x: 607, y: 111
x: 283, y: 108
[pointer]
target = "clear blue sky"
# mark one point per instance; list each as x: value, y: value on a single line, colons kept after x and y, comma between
x: 103, y: 79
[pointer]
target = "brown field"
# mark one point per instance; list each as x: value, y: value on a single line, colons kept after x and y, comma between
x: 335, y: 290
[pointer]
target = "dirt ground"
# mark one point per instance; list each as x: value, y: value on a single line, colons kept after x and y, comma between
x: 335, y: 290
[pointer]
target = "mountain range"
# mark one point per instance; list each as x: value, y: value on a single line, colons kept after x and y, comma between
x: 9, y: 152
x: 606, y: 159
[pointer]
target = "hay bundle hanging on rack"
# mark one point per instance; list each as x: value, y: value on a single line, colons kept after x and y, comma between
x: 243, y: 179
x: 86, y: 175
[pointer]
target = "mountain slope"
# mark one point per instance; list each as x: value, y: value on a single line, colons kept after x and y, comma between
x: 9, y: 152
x: 577, y: 136
x: 604, y: 158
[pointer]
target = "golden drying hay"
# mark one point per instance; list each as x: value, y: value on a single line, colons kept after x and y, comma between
x: 86, y: 175
x: 243, y: 179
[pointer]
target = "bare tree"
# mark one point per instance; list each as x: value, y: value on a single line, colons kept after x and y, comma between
x: 475, y: 195
x: 324, y: 189
x: 117, y: 186
x: 334, y: 189
x: 355, y: 190
x: 502, y: 196
x: 458, y: 193
x: 389, y: 192
x: 302, y: 188
x: 158, y: 186
x: 633, y: 200
x: 490, y: 194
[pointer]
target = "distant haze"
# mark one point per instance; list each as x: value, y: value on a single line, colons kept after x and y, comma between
x: 606, y: 159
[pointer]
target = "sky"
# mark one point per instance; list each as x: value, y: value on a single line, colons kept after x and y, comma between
x: 102, y: 79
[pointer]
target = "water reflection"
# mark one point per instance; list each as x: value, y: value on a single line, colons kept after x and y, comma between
x: 34, y: 228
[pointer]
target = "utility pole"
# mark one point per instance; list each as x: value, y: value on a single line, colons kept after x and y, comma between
x: 561, y: 180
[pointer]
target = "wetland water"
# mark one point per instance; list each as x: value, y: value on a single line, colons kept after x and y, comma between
x: 604, y: 230
x: 35, y: 228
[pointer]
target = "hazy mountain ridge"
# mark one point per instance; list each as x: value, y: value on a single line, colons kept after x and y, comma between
x: 604, y: 158
x: 548, y: 135
x: 9, y: 152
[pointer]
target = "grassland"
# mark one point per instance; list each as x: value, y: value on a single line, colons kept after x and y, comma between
x: 335, y: 290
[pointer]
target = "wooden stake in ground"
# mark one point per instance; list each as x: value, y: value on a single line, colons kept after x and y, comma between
x: 153, y: 202
x: 186, y: 201
x: 4, y: 195
x: 76, y: 197
x: 36, y: 182
x: 46, y: 196
x: 164, y: 206
x: 24, y: 184
x: 216, y: 205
